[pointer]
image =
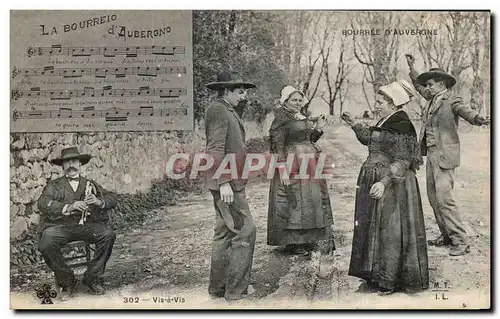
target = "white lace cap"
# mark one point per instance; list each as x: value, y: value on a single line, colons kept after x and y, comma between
x: 396, y: 92
x: 287, y: 91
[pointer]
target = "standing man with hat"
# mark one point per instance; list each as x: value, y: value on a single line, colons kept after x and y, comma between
x: 75, y: 208
x: 439, y: 141
x: 234, y: 235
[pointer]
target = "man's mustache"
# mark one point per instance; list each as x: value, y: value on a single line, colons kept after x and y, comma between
x: 71, y: 168
x: 242, y: 103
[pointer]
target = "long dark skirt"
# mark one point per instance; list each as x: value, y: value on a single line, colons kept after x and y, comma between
x: 389, y: 246
x: 298, y: 214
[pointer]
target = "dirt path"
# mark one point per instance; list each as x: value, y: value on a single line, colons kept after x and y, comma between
x: 170, y: 257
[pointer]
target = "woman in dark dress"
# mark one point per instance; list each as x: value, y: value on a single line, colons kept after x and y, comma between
x: 389, y: 248
x: 299, y: 213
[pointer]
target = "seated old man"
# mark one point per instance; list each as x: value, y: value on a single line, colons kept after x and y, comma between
x: 75, y: 208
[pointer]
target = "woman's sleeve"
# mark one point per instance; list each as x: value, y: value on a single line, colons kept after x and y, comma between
x: 315, y: 135
x: 278, y: 139
x: 404, y: 152
x: 362, y: 133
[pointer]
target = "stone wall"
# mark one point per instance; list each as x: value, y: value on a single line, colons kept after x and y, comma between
x: 125, y: 162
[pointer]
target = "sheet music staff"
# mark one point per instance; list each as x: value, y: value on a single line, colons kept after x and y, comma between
x: 90, y: 92
x: 90, y: 112
x: 134, y: 51
x: 101, y: 72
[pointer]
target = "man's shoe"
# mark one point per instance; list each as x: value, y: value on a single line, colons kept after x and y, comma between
x: 439, y: 242
x: 67, y: 292
x: 459, y: 250
x: 94, y: 287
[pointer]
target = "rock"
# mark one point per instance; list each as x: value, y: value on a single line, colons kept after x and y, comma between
x: 67, y: 139
x: 19, y: 144
x: 114, y: 161
x: 13, y: 186
x: 22, y: 196
x: 46, y: 169
x: 22, y: 209
x: 37, y: 170
x: 41, y: 181
x: 14, y: 210
x: 34, y: 219
x: 46, y: 139
x: 11, y: 139
x: 30, y: 184
x: 25, y: 156
x: 18, y: 227
x: 36, y: 193
x: 95, y: 162
x: 23, y: 173
x: 41, y: 154
x: 33, y: 140
x: 12, y: 160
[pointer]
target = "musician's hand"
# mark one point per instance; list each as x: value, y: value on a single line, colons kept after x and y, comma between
x: 92, y: 200
x: 78, y: 206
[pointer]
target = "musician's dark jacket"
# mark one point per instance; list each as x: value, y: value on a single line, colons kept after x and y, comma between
x: 57, y: 193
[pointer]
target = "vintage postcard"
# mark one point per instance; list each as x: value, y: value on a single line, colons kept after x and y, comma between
x: 250, y: 159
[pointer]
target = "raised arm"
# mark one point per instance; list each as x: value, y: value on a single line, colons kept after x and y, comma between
x: 422, y: 90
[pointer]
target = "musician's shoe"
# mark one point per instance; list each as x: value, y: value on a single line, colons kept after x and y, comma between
x: 67, y: 292
x: 95, y: 287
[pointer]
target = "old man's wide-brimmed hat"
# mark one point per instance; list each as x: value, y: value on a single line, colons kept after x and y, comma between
x: 71, y: 153
x: 229, y: 80
x: 437, y: 73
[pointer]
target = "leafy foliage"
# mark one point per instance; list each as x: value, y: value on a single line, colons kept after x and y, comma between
x: 240, y: 41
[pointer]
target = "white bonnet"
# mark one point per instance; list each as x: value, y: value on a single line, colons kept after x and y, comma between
x: 399, y: 91
x: 287, y: 91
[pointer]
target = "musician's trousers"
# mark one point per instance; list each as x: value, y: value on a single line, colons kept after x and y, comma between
x: 53, y: 238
